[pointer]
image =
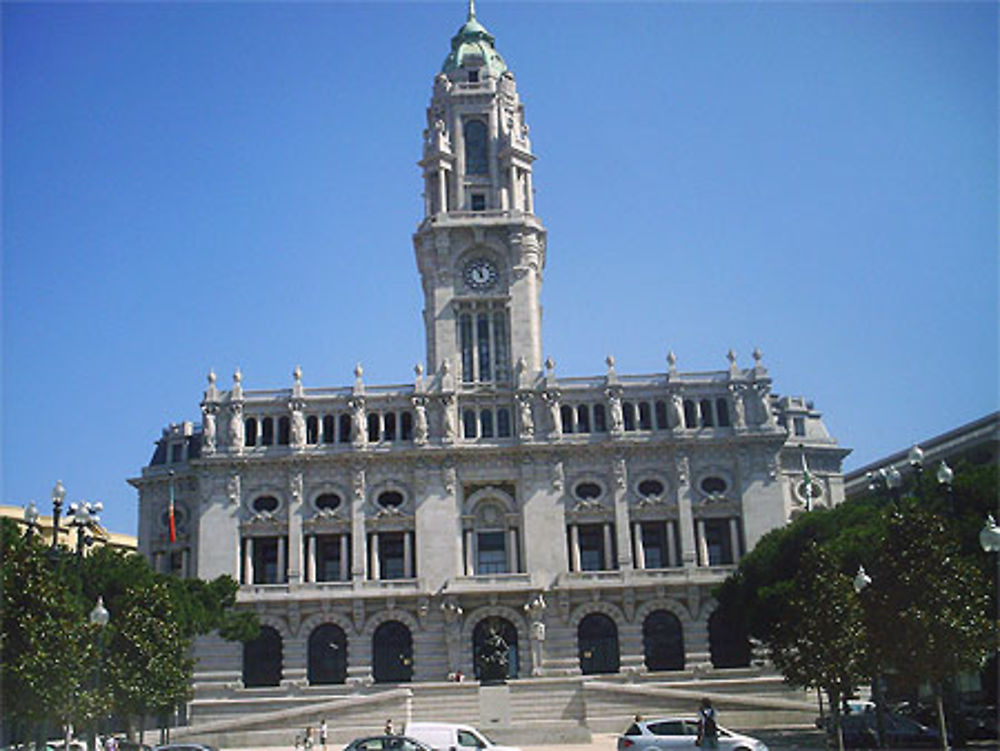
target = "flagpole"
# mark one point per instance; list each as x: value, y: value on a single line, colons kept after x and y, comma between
x: 173, y: 523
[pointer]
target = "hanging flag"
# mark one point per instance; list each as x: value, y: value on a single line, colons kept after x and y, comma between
x: 808, y: 482
x: 173, y: 522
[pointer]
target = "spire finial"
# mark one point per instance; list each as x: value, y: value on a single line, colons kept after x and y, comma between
x: 472, y: 9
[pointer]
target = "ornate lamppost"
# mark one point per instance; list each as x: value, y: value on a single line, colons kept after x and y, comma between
x: 85, y: 514
x: 30, y: 520
x: 99, y: 617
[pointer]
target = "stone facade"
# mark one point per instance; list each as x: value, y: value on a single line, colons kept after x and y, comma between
x: 386, y: 534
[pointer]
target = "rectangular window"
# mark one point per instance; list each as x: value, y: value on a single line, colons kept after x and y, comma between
x: 465, y: 334
x: 478, y: 201
x: 799, y: 424
x: 265, y: 560
x: 503, y: 422
x: 500, y: 339
x: 177, y: 452
x: 654, y: 545
x: 176, y: 563
x: 328, y: 558
x: 473, y: 76
x: 390, y: 551
x: 600, y: 422
x: 718, y: 542
x: 591, y: 547
x: 583, y: 419
x: 483, y: 337
x: 491, y: 554
x: 486, y: 423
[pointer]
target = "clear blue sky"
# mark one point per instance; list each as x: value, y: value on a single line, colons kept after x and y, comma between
x: 196, y: 185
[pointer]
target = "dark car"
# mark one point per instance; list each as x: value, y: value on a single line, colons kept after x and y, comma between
x: 861, y: 731
x: 386, y: 743
x: 185, y: 747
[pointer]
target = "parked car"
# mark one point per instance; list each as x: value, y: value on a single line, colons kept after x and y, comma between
x: 184, y: 747
x: 861, y: 731
x: 679, y: 732
x: 442, y: 736
x: 386, y: 743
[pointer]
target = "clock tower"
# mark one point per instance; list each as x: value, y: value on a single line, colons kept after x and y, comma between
x: 480, y: 248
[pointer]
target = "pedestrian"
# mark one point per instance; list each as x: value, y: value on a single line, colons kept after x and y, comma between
x: 322, y: 734
x: 388, y: 727
x: 307, y: 742
x: 708, y: 728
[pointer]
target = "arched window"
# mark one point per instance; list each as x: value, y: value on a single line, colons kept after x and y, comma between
x: 373, y: 425
x: 494, y: 649
x: 722, y: 410
x: 690, y: 414
x: 600, y: 419
x: 706, y: 413
x: 329, y: 429
x: 389, y: 426
x: 476, y: 162
x: 645, y: 417
x: 283, y: 431
x: 661, y: 416
x: 566, y: 413
x: 469, y: 423
x: 728, y: 642
x: 486, y: 423
x: 663, y: 641
x: 262, y: 659
x: 392, y: 653
x: 312, y: 429
x: 503, y: 422
x: 266, y: 431
x: 628, y: 413
x: 250, y: 431
x: 327, y: 655
x: 597, y: 639
x: 328, y: 502
x: 344, y: 427
x: 406, y: 426
x: 582, y: 419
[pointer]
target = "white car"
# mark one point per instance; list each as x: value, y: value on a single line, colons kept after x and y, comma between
x: 679, y: 732
x: 443, y: 736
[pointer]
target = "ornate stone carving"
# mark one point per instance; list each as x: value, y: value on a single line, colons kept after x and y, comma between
x: 236, y: 427
x: 358, y: 479
x: 739, y: 408
x: 452, y: 613
x: 450, y: 477
x: 233, y: 488
x: 682, y: 469
x: 551, y: 398
x: 535, y: 608
x: 298, y: 424
x: 420, y: 420
x: 615, y: 410
x: 675, y: 411
x: 359, y: 428
x: 448, y: 417
x: 295, y: 483
x: 620, y: 472
x: 208, y: 440
x: 558, y: 476
x: 526, y: 425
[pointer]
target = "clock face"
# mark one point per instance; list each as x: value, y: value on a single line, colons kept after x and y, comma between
x: 480, y: 274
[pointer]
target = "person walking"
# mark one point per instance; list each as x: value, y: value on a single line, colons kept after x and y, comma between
x: 322, y: 734
x: 708, y: 727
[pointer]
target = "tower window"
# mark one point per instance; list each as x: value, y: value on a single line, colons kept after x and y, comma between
x: 485, y: 348
x: 475, y: 147
x: 478, y: 202
x: 473, y: 76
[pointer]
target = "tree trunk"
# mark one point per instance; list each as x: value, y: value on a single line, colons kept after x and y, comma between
x: 835, y: 713
x: 942, y: 725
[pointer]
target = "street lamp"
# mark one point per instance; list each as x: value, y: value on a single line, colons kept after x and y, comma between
x: 84, y: 515
x: 861, y: 579
x: 30, y: 519
x: 99, y: 617
x: 58, y: 494
x: 989, y: 535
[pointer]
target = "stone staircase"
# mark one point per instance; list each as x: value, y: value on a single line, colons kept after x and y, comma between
x: 527, y: 711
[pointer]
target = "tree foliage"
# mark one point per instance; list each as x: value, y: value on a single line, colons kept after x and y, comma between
x: 58, y: 667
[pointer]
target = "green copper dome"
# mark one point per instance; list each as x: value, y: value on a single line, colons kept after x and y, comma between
x: 474, y: 41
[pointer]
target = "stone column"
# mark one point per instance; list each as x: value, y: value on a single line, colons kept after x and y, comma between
x: 640, y: 549
x: 574, y: 546
x: 734, y: 538
x: 407, y: 554
x: 702, y: 543
x: 512, y: 566
x: 282, y: 573
x: 185, y: 561
x: 689, y: 556
x: 294, y: 552
x: 374, y: 568
x: 470, y: 568
x: 344, y: 561
x: 311, y: 558
x: 609, y: 561
x: 671, y: 546
x: 248, y: 561
x: 359, y: 549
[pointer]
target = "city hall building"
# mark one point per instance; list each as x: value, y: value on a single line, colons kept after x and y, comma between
x: 385, y: 534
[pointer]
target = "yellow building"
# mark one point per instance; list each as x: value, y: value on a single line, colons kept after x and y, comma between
x: 67, y: 532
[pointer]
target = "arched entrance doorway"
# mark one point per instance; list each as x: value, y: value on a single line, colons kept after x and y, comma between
x: 262, y: 659
x: 597, y: 638
x: 392, y: 653
x: 327, y: 655
x: 494, y: 649
x: 728, y: 642
x: 663, y: 641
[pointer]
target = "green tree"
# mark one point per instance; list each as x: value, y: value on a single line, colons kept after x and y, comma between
x: 927, y: 605
x: 149, y: 668
x: 819, y: 639
x: 48, y: 645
